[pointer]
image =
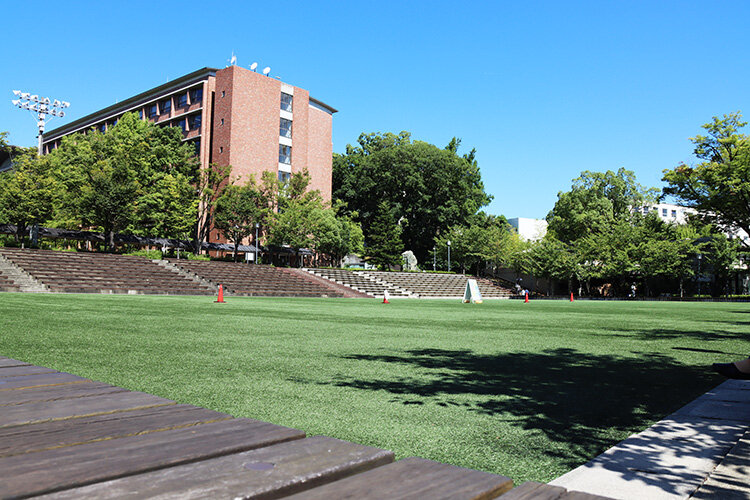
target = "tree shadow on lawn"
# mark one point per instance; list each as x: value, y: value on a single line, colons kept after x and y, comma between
x: 576, y: 399
x: 667, y: 333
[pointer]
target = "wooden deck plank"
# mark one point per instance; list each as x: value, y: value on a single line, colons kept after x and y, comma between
x: 69, y: 467
x: 53, y: 393
x: 270, y: 472
x: 17, y: 440
x: 14, y: 371
x: 28, y: 381
x: 6, y: 362
x: 71, y: 408
x: 534, y: 491
x: 414, y: 478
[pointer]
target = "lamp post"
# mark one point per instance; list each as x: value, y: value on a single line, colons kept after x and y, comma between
x: 257, y: 226
x: 700, y: 257
x: 41, y: 107
x: 434, y: 259
x: 449, y: 255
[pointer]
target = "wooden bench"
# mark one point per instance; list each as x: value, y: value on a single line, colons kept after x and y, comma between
x: 67, y: 437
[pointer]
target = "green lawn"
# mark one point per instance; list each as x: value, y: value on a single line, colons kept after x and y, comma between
x: 526, y: 390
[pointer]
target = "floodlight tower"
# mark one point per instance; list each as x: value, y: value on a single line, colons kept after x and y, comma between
x: 42, y: 107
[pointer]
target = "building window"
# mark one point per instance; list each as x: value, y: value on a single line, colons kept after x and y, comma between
x: 101, y: 128
x: 140, y: 114
x: 284, y: 176
x: 165, y: 106
x: 645, y: 210
x: 196, y: 96
x: 221, y: 149
x: 223, y: 93
x: 179, y: 124
x: 663, y: 212
x: 285, y: 154
x: 674, y: 213
x: 222, y: 121
x: 194, y: 121
x: 182, y: 100
x: 151, y: 110
x: 286, y: 102
x: 285, y: 130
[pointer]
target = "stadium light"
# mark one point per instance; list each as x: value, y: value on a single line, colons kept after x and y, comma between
x: 41, y: 107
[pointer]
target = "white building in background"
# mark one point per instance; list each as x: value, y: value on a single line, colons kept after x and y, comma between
x: 668, y: 212
x: 529, y: 229
x: 677, y: 214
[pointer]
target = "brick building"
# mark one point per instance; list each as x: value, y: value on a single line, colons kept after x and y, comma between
x: 236, y: 117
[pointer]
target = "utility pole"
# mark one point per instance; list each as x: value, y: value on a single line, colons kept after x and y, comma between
x: 41, y: 107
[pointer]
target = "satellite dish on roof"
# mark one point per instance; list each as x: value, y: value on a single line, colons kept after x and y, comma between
x: 266, y: 70
x: 253, y: 66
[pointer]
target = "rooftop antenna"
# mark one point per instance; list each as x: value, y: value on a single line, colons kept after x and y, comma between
x: 253, y: 66
x: 41, y: 107
x: 266, y: 70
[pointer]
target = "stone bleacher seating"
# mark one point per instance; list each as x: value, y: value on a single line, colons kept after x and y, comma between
x: 7, y: 284
x: 84, y: 272
x: 416, y: 285
x: 359, y: 282
x: 257, y: 280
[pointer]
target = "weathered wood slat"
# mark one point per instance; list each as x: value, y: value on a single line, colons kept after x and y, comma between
x: 6, y: 362
x: 69, y: 408
x: 534, y: 491
x: 17, y: 440
x: 14, y: 371
x: 53, y: 393
x: 46, y: 379
x: 59, y: 469
x: 414, y: 478
x: 270, y: 472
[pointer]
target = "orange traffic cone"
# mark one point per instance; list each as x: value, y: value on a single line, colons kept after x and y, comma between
x: 526, y: 300
x: 385, y: 297
x: 221, y: 295
x: 571, y: 296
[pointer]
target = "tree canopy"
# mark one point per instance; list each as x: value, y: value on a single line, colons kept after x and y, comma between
x: 429, y: 189
x: 137, y: 177
x: 719, y: 186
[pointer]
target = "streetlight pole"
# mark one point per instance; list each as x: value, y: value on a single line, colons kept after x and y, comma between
x: 449, y: 255
x: 434, y: 259
x: 41, y: 107
x: 700, y: 257
x: 257, y: 225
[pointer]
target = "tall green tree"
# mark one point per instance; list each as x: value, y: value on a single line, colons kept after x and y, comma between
x: 28, y: 192
x: 209, y: 187
x: 595, y: 201
x: 236, y: 212
x: 718, y: 187
x: 137, y: 177
x: 385, y: 246
x: 429, y: 189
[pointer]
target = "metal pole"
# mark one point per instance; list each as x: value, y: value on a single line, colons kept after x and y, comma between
x: 256, y: 242
x: 434, y: 259
x: 449, y: 256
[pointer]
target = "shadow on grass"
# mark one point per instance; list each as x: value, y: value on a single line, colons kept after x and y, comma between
x: 665, y: 333
x: 576, y: 399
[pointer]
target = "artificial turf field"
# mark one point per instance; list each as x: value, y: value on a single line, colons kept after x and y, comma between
x: 525, y: 390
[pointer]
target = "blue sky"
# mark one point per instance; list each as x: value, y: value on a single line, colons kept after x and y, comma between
x: 542, y: 90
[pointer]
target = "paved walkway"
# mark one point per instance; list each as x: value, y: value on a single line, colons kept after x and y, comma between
x: 701, y: 451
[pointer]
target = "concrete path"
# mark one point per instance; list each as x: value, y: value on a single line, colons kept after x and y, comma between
x: 700, y: 451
